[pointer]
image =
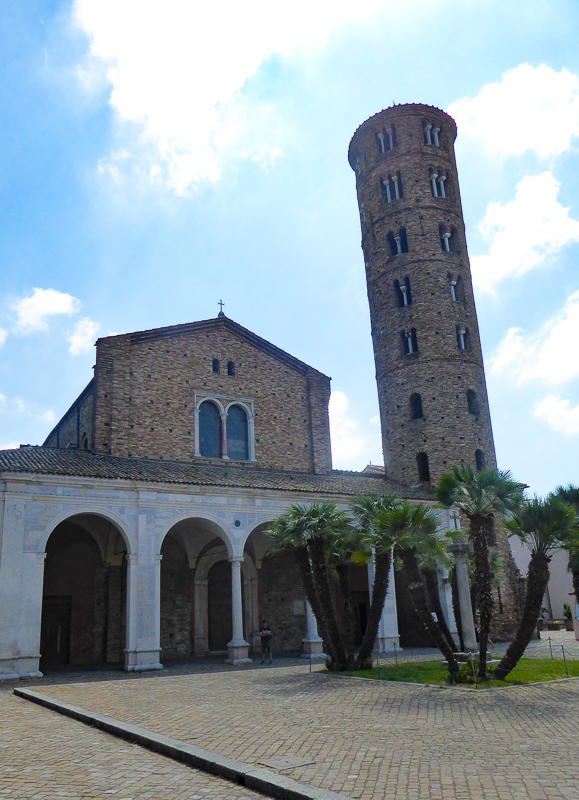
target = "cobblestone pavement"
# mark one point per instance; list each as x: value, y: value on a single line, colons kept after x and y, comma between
x: 45, y: 756
x: 367, y: 740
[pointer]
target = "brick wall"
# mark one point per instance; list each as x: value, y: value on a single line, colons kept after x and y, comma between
x: 439, y: 372
x: 282, y: 602
x: 145, y: 385
x: 76, y: 426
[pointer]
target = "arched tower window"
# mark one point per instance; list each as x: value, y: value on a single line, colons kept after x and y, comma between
x: 479, y: 458
x: 456, y: 288
x: 386, y: 139
x: 471, y: 399
x: 409, y: 342
x: 210, y: 442
x: 431, y: 134
x: 438, y: 183
x: 216, y: 366
x: 398, y: 242
x: 237, y: 434
x: 462, y: 338
x: 403, y: 293
x: 416, y: 406
x: 423, y: 469
x: 392, y: 187
x: 231, y: 368
x: 84, y: 442
x: 448, y: 239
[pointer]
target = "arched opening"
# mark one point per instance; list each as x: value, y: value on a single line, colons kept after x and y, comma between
x: 237, y: 434
x: 416, y: 406
x: 176, y: 599
x: 471, y: 399
x: 210, y: 441
x: 479, y: 458
x: 423, y: 468
x: 84, y: 594
x: 196, y: 590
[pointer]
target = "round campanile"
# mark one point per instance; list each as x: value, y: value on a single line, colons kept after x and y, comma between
x: 429, y: 368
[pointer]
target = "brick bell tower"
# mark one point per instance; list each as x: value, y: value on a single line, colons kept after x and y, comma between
x: 429, y: 369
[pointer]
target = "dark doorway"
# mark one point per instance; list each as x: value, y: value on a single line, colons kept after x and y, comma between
x: 55, y: 631
x: 219, y: 601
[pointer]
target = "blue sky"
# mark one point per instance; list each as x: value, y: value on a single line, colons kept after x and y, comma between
x: 158, y: 156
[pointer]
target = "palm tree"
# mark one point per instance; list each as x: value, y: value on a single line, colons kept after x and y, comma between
x: 570, y: 494
x: 308, y: 531
x: 364, y: 509
x: 414, y: 530
x: 480, y: 495
x: 542, y: 525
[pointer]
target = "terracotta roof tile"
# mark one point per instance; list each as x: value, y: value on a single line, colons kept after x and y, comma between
x: 80, y: 463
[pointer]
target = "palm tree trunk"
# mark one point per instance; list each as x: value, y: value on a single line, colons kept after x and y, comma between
x: 349, y: 618
x: 317, y: 553
x: 419, y: 596
x: 575, y: 581
x: 382, y: 563
x: 480, y: 532
x: 537, y: 580
x: 313, y: 599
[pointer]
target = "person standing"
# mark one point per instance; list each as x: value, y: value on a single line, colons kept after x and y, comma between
x: 265, y: 634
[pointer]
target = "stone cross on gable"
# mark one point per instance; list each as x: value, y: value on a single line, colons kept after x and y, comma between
x: 455, y: 519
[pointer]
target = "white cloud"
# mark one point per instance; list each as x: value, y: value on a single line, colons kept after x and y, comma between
x: 559, y: 415
x: 549, y: 354
x: 83, y: 337
x: 32, y: 312
x: 347, y: 443
x: 177, y: 70
x: 47, y: 416
x: 524, y: 232
x: 3, y: 335
x: 530, y: 109
x: 10, y: 446
x: 2, y: 400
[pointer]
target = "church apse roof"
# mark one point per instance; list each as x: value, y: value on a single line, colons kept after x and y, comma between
x: 34, y: 460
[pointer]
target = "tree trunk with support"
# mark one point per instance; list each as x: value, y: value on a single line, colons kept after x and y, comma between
x: 382, y: 564
x: 480, y: 533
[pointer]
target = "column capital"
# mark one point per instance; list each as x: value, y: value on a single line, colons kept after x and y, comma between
x: 459, y: 548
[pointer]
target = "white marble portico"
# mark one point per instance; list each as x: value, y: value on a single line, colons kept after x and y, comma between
x: 141, y: 515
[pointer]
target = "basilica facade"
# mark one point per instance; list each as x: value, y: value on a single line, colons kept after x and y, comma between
x: 135, y: 533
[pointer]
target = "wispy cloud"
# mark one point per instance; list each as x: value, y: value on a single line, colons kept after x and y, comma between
x: 530, y: 109
x: 32, y: 312
x: 559, y: 415
x: 347, y: 443
x: 548, y: 355
x: 177, y: 74
x: 524, y: 232
x: 83, y: 337
x: 3, y: 335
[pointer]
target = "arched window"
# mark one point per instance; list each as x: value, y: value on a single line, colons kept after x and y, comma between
x: 397, y: 242
x: 479, y: 458
x: 237, y: 434
x: 392, y: 187
x: 439, y: 184
x: 462, y: 338
x: 473, y: 406
x: 386, y: 139
x: 409, y: 342
x: 431, y: 134
x: 403, y: 293
x: 456, y: 288
x: 210, y: 443
x: 231, y: 368
x: 423, y: 470
x: 216, y: 365
x: 84, y: 443
x: 416, y: 406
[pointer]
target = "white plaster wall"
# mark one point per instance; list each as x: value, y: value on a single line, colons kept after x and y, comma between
x: 560, y: 584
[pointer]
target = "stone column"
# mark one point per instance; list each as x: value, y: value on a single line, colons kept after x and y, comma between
x: 459, y: 551
x: 445, y: 598
x: 143, y: 611
x: 237, y: 648
x: 21, y: 579
x: 388, y: 636
x: 312, y: 644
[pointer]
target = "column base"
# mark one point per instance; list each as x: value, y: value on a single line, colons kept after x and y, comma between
x: 387, y: 644
x: 12, y: 668
x: 141, y: 659
x: 238, y: 653
x: 313, y: 648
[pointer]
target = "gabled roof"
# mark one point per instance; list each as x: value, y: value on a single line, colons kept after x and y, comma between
x: 34, y: 460
x: 216, y: 324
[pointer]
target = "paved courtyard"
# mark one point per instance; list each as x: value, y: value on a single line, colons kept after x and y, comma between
x: 364, y: 739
